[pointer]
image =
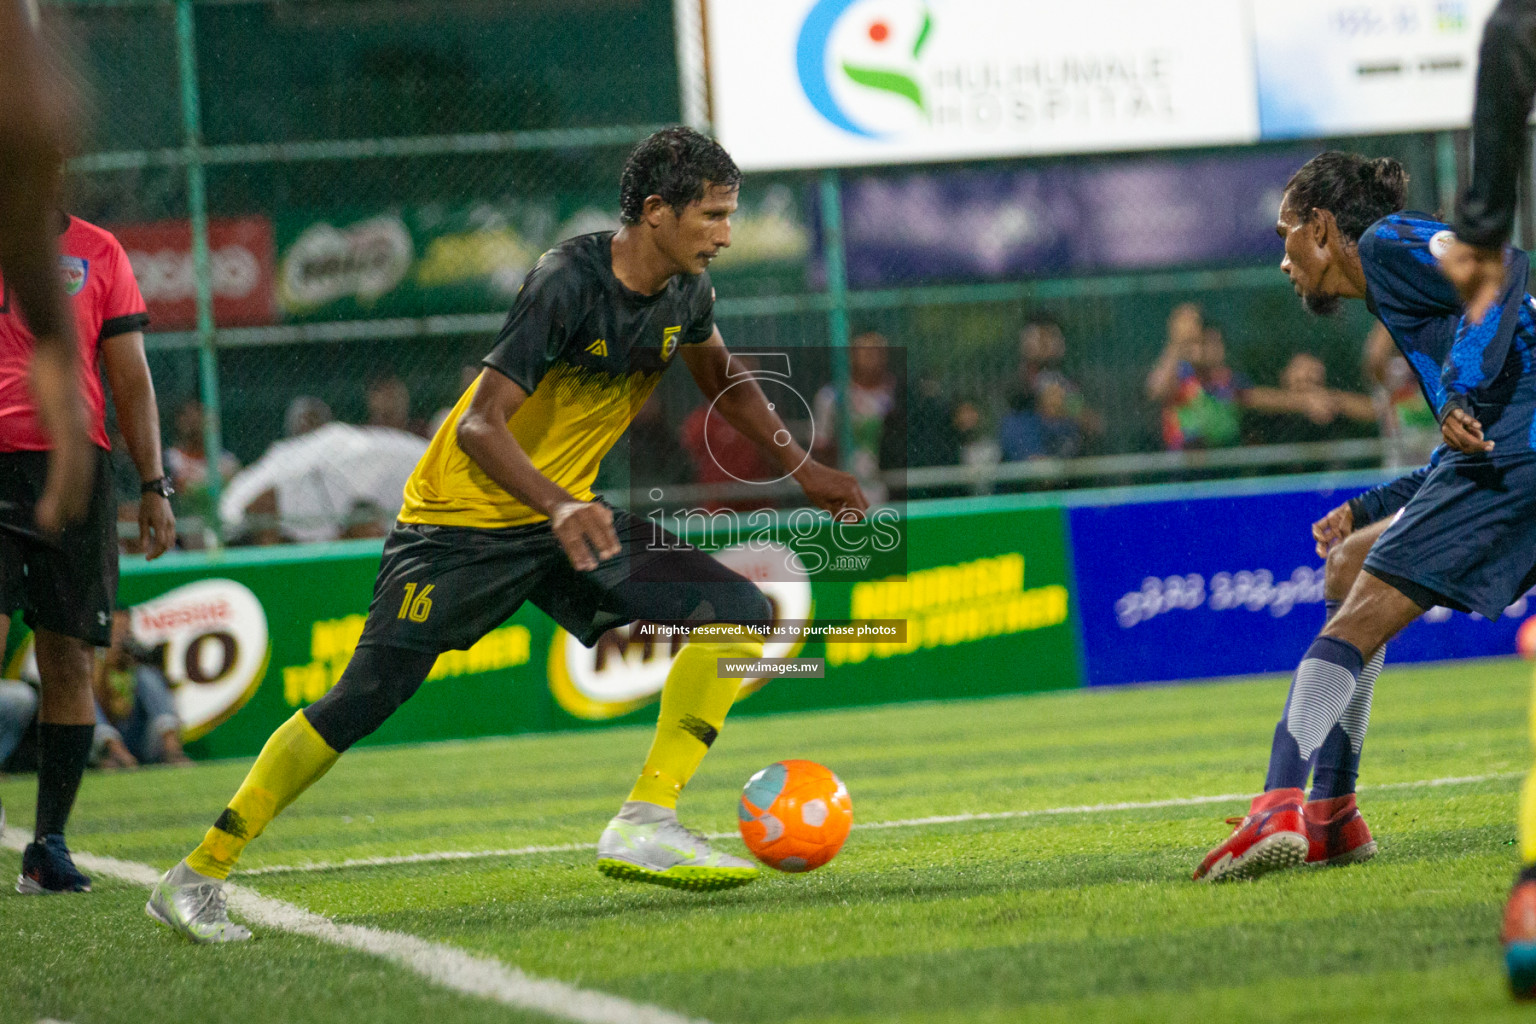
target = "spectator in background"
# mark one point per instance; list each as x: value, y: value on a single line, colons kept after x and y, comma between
x: 304, y: 414
x: 1042, y: 358
x: 186, y: 462
x: 1305, y: 408
x: 310, y: 485
x: 389, y: 405
x: 872, y: 395
x: 136, y: 720
x: 1201, y: 397
x: 18, y: 710
x: 1040, y: 425
x: 723, y: 455
x: 1408, y: 424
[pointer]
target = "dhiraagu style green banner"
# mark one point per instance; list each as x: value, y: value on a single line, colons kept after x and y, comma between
x: 249, y: 636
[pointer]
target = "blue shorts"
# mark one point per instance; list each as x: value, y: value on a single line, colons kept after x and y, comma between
x: 1467, y: 539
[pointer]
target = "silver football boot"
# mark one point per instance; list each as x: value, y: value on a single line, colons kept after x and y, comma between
x: 665, y: 853
x: 195, y: 906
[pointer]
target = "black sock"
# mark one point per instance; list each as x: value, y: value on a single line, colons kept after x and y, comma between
x: 62, y: 752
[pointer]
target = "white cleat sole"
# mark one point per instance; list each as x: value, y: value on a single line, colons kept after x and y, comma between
x: 1272, y: 853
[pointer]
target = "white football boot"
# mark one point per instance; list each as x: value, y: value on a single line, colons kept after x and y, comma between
x: 665, y: 853
x: 195, y: 906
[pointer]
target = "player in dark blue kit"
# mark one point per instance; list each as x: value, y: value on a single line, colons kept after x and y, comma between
x: 1465, y: 537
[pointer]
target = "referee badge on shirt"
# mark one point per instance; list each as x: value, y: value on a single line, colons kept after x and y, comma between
x: 74, y: 271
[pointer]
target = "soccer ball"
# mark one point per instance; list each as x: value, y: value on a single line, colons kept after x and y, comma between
x: 794, y: 815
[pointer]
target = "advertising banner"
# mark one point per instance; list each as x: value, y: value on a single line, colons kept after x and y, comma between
x: 818, y: 83
x: 243, y: 258
x: 1228, y: 586
x: 415, y: 261
x: 1005, y: 223
x: 1340, y: 67
x: 248, y: 637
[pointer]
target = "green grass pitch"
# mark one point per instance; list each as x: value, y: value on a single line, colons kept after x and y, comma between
x: 1083, y: 916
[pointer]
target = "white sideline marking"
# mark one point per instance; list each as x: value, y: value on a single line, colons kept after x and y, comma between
x: 451, y: 968
x: 941, y: 819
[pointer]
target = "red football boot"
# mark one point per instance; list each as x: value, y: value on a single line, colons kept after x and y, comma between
x: 1336, y: 833
x: 1273, y: 836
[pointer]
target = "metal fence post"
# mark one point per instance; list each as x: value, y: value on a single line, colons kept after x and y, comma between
x: 202, y: 263
x: 837, y: 306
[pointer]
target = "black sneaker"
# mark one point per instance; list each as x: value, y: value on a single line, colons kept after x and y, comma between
x: 46, y: 867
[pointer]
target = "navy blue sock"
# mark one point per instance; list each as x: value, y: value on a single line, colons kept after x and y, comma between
x: 1337, y: 770
x: 1320, y: 690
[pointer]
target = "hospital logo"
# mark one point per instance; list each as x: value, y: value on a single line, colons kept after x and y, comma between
x: 859, y: 64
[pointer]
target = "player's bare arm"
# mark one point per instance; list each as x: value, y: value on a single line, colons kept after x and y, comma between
x: 584, y: 528
x: 138, y: 414
x: 34, y: 115
x: 746, y: 408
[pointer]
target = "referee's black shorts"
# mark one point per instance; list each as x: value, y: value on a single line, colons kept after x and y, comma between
x: 442, y: 588
x: 67, y: 584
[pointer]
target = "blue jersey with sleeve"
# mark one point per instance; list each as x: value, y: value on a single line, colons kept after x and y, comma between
x: 1491, y: 364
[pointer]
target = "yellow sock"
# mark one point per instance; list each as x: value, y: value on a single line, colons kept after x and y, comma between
x: 694, y: 702
x: 293, y: 759
x: 1528, y: 795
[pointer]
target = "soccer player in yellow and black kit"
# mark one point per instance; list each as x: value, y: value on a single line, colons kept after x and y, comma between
x: 500, y: 510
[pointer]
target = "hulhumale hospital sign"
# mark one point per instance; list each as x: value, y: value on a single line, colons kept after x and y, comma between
x: 821, y: 83
x: 798, y: 83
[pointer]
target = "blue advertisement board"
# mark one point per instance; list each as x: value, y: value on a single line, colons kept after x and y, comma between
x: 1001, y: 223
x: 1223, y: 586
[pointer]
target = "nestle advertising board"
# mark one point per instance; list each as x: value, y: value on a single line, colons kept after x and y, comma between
x: 828, y: 83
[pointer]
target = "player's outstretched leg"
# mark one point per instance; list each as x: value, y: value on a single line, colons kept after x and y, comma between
x: 190, y: 897
x: 645, y: 842
x: 1519, y: 931
x: 1336, y: 832
x: 1273, y: 835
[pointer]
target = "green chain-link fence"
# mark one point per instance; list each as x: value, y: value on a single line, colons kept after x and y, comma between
x: 371, y: 178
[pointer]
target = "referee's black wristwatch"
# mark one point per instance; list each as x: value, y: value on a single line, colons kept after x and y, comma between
x: 161, y: 486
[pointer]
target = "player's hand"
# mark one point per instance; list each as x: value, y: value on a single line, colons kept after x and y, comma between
x: 157, y: 525
x: 1331, y: 530
x: 833, y: 490
x: 1477, y: 274
x: 585, y: 530
x: 1464, y: 433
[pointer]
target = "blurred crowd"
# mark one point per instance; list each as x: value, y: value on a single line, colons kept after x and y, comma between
x: 323, y: 479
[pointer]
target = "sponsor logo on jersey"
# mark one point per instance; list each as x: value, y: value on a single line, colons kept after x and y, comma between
x: 74, y: 270
x: 598, y: 348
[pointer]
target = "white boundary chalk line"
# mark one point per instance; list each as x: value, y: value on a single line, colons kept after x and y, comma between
x: 433, y: 857
x: 446, y: 966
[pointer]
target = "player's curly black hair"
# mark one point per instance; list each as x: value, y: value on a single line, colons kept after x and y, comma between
x: 1357, y: 190
x: 675, y: 163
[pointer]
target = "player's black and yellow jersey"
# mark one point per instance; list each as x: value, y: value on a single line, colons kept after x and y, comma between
x: 589, y: 352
